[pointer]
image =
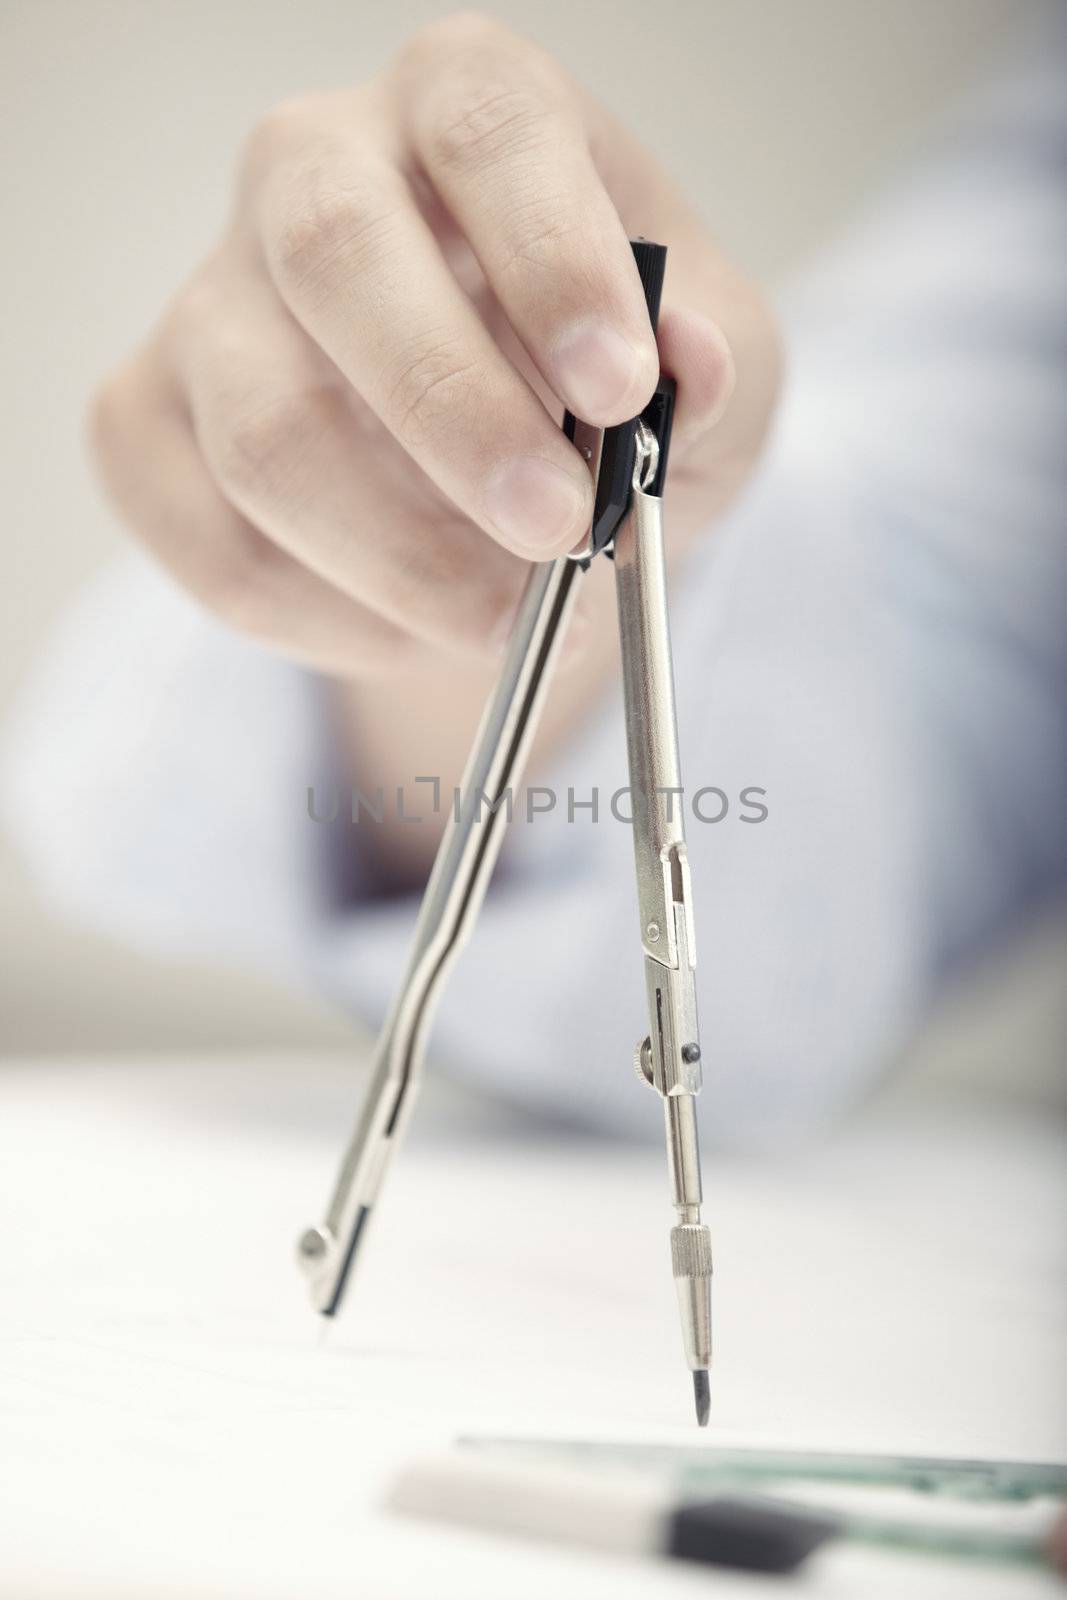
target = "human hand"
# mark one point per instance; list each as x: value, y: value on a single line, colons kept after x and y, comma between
x: 343, y: 435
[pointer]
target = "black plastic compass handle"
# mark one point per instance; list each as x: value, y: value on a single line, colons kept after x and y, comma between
x: 615, y: 475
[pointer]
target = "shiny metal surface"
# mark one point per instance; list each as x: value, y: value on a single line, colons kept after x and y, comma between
x: 454, y: 894
x: 691, y: 1264
x: 589, y: 443
x: 670, y: 1057
x: 663, y: 887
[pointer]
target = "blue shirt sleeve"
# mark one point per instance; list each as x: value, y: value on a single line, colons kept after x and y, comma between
x: 875, y: 639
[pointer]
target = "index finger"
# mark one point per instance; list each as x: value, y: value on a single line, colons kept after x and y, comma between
x: 499, y: 132
x: 360, y: 269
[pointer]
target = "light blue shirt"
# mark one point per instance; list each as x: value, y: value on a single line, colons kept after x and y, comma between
x: 877, y: 637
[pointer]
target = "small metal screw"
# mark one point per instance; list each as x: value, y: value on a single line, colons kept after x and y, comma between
x: 643, y: 1060
x: 653, y: 932
x: 690, y: 1054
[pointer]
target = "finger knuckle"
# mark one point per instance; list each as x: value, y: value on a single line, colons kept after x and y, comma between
x: 477, y: 122
x: 426, y: 390
x: 330, y: 230
x: 534, y: 234
x: 255, y: 444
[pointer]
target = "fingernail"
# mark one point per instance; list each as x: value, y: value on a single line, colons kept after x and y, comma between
x: 597, y: 372
x: 536, y: 505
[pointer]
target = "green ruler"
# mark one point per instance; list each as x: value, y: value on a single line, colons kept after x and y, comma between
x: 944, y: 1483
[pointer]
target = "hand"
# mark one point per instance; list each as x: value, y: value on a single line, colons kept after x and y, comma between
x: 343, y: 435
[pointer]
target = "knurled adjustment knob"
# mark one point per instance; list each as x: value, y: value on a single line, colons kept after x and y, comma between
x: 643, y: 1061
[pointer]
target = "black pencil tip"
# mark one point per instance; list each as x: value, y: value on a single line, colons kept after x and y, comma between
x: 702, y: 1395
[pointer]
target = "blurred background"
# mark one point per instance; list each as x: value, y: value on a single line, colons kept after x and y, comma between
x: 121, y: 119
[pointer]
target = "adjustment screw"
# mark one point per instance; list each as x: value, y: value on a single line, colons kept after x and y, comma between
x: 643, y: 1060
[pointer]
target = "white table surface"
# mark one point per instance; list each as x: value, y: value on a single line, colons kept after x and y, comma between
x: 175, y: 1421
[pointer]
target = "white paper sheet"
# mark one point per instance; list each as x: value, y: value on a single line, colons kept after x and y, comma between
x: 174, y: 1419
